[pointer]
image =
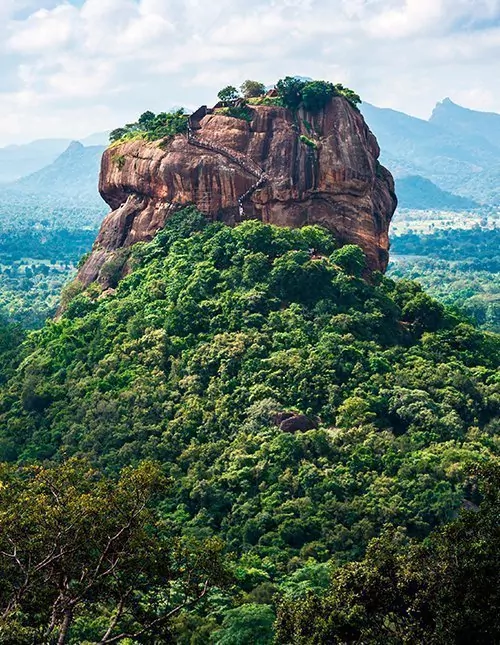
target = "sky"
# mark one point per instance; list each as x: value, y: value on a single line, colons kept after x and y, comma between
x: 71, y: 68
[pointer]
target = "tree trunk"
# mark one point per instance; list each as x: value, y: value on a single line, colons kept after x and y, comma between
x: 66, y: 624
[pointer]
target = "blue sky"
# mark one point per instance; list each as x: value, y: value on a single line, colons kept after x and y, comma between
x: 71, y: 68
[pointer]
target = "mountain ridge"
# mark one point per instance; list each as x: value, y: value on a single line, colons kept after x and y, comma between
x: 457, y: 148
x: 70, y: 179
x: 20, y: 160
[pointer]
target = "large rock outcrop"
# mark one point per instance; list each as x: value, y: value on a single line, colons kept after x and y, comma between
x: 281, y: 168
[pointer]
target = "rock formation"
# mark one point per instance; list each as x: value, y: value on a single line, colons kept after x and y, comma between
x: 282, y: 168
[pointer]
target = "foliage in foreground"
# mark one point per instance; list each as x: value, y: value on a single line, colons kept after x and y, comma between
x: 87, y: 558
x: 445, y: 590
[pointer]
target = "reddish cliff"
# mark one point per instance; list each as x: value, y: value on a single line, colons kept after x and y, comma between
x: 281, y: 168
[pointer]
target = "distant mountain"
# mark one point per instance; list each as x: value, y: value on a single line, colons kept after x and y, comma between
x: 97, y: 139
x: 469, y: 123
x: 451, y: 149
x: 418, y: 193
x: 22, y: 160
x: 70, y: 180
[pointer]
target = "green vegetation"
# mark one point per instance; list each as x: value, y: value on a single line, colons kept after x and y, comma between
x: 265, y: 100
x: 348, y: 94
x: 313, y: 95
x: 45, y: 228
x: 86, y: 555
x: 252, y: 89
x: 35, y: 264
x: 214, y: 333
x: 292, y: 92
x: 308, y: 142
x: 55, y: 245
x: 446, y: 590
x: 459, y: 267
x: 237, y: 112
x: 152, y: 127
x: 30, y: 291
x: 228, y: 94
x: 33, y: 219
x: 120, y: 161
x: 316, y: 95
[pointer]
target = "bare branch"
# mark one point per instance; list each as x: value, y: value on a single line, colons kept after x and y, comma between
x: 161, y: 620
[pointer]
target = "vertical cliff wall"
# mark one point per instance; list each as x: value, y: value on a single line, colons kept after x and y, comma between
x: 282, y: 168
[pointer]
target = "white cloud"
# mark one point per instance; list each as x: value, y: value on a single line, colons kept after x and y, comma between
x: 94, y: 64
x: 45, y: 30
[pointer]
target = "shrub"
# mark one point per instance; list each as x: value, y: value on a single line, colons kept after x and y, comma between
x: 151, y: 127
x: 120, y: 161
x: 112, y: 271
x: 70, y: 291
x: 348, y: 94
x: 265, y: 100
x: 242, y: 112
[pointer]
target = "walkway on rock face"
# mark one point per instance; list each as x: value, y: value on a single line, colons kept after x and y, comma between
x: 249, y: 166
x: 239, y: 159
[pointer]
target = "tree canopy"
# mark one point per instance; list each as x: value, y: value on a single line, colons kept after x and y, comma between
x: 313, y: 95
x: 252, y: 89
x: 446, y: 590
x: 78, y: 548
x: 228, y: 94
x: 214, y: 337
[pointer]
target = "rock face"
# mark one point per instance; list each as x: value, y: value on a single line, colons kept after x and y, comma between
x: 282, y: 168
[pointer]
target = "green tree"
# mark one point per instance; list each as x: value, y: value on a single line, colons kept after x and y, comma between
x: 117, y: 134
x: 252, y: 89
x: 423, y: 312
x: 316, y: 95
x: 351, y: 259
x: 446, y: 590
x: 147, y: 119
x: 290, y: 91
x: 250, y: 623
x: 74, y: 543
x: 228, y: 94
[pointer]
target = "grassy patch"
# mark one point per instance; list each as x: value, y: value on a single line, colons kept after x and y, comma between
x: 308, y: 142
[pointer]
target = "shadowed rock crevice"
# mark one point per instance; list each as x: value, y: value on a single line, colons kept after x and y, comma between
x: 282, y: 168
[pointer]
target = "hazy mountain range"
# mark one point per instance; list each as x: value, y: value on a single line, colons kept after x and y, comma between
x: 21, y: 160
x: 457, y: 149
x: 69, y: 179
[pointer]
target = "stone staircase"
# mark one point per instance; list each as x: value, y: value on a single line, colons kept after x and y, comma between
x: 235, y: 157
